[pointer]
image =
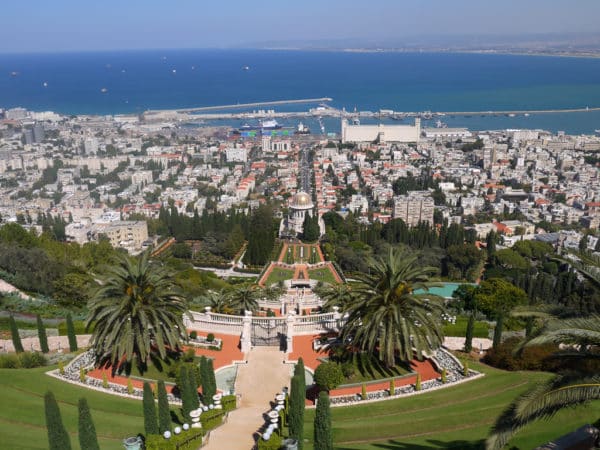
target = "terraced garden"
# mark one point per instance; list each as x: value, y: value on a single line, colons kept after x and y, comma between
x: 22, y: 420
x: 453, y: 418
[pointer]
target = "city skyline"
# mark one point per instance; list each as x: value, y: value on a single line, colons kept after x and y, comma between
x: 67, y: 25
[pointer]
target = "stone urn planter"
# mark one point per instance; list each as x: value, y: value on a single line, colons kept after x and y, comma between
x: 217, y: 401
x: 195, y: 416
x: 273, y: 416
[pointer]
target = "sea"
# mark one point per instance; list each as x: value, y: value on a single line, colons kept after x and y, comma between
x: 135, y: 81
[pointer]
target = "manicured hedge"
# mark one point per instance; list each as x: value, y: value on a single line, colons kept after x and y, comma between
x: 187, y: 440
x: 212, y: 418
x: 25, y: 360
x: 274, y: 443
x: 228, y: 402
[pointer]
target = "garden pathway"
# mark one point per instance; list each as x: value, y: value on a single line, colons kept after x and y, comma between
x: 257, y: 382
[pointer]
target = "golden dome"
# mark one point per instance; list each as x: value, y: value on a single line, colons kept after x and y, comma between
x: 301, y: 200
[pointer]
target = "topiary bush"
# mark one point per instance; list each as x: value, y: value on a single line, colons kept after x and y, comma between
x: 328, y: 375
x: 193, y: 334
x: 210, y: 337
x: 212, y: 418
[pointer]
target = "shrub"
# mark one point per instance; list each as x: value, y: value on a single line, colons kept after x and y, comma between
x: 10, y: 361
x: 443, y: 377
x: 82, y: 374
x: 104, y: 380
x: 418, y: 382
x: 363, y: 391
x: 130, y: 389
x: 193, y: 334
x: 58, y: 438
x: 87, y: 431
x: 61, y: 367
x: 29, y: 360
x: 466, y: 369
x: 392, y: 387
x: 16, y: 339
x: 537, y: 357
x: 328, y: 375
x: 348, y: 369
x: 210, y: 337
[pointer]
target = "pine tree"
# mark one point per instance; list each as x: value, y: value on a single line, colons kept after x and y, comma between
x: 42, y: 336
x: 322, y: 425
x: 58, y: 438
x: 296, y: 414
x: 71, y: 334
x: 87, y: 431
x: 164, y: 412
x: 14, y: 332
x: 150, y: 418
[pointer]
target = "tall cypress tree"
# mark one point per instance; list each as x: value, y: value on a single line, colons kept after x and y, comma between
x: 296, y: 419
x: 469, y: 333
x: 184, y: 392
x: 14, y: 332
x: 87, y: 431
x: 71, y: 333
x: 299, y: 370
x: 42, y: 336
x: 204, y: 379
x: 150, y: 418
x: 212, y: 380
x: 193, y: 388
x: 58, y: 438
x: 164, y: 412
x: 322, y: 429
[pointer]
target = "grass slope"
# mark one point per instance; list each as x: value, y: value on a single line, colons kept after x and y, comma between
x: 458, y: 417
x: 22, y: 421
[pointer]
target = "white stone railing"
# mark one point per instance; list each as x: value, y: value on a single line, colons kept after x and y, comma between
x: 235, y: 325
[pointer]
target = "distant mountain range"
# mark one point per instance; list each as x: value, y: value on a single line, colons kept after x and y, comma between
x: 584, y: 44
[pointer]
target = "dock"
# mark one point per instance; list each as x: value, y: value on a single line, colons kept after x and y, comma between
x: 242, y: 105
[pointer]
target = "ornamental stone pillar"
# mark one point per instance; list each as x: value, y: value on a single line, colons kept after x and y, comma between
x: 289, y: 342
x: 246, y: 344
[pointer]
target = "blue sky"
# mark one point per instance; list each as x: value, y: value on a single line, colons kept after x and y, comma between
x: 56, y: 25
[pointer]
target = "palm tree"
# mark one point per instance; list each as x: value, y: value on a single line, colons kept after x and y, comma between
x: 244, y: 298
x: 569, y: 389
x: 218, y: 301
x: 138, y: 312
x: 340, y: 295
x: 388, y: 316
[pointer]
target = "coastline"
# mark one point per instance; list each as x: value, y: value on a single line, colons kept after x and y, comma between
x: 590, y: 55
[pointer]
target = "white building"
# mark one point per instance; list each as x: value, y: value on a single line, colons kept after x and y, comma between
x: 381, y: 133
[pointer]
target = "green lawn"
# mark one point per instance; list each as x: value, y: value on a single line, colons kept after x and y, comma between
x: 322, y: 274
x: 279, y: 274
x: 481, y: 329
x: 458, y: 417
x: 22, y: 420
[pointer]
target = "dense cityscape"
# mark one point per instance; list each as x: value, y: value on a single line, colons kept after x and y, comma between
x: 318, y: 226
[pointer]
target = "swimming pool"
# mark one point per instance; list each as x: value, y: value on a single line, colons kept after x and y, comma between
x: 446, y: 290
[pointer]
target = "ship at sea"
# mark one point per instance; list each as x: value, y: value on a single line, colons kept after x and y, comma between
x: 263, y: 125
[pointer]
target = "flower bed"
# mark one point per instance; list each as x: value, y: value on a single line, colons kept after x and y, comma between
x: 442, y: 359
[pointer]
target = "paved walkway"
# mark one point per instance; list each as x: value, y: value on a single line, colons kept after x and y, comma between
x: 257, y: 382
